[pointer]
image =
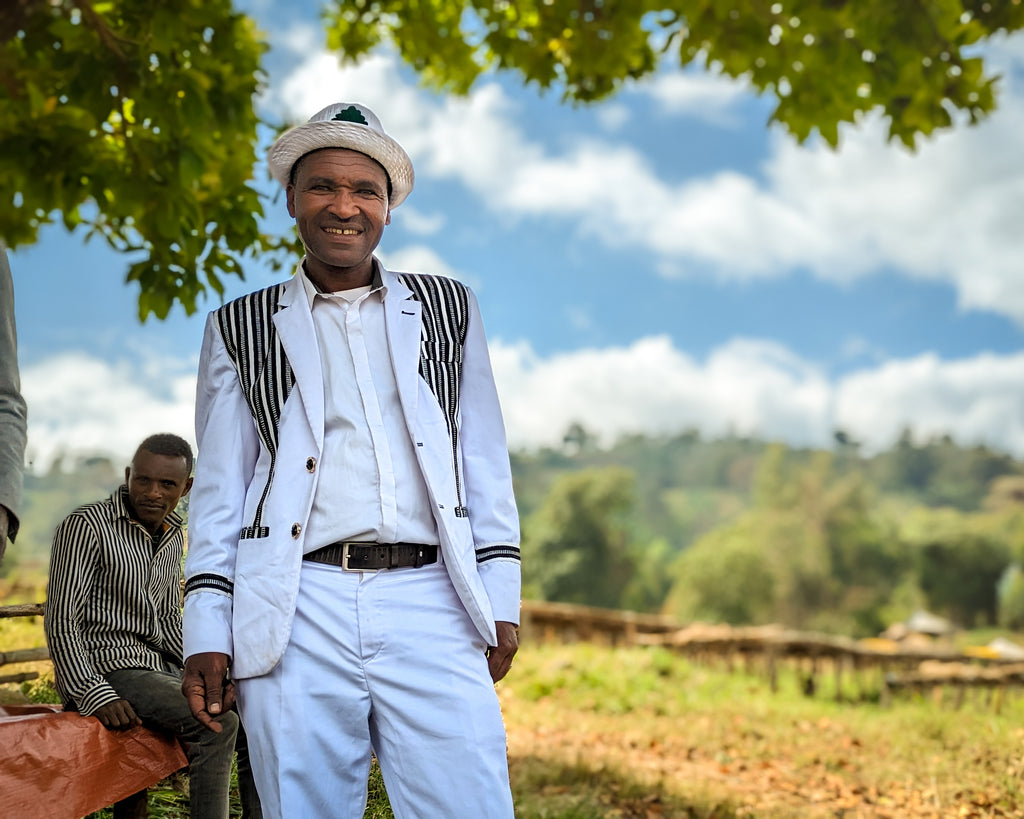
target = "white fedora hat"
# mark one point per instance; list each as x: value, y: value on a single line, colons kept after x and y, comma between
x: 344, y: 125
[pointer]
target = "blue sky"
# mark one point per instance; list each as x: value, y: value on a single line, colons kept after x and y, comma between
x: 660, y: 261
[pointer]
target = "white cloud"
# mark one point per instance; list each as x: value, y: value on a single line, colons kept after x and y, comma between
x: 613, y: 116
x: 418, y: 222
x: 422, y: 259
x: 977, y: 400
x: 747, y: 387
x: 707, y: 95
x: 81, y: 404
x: 301, y: 38
x: 1007, y: 52
x: 760, y: 389
x: 949, y: 213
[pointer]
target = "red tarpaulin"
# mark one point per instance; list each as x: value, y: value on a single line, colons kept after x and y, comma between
x: 57, y: 765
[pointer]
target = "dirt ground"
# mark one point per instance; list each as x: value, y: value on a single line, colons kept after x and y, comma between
x: 678, y: 779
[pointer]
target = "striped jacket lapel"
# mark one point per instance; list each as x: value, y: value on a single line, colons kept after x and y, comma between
x: 445, y: 316
x: 264, y: 373
x: 293, y: 322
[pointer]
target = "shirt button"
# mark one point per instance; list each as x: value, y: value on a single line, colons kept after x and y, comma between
x: 296, y: 529
x: 310, y: 464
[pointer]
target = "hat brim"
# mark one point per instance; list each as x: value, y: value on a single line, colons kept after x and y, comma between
x: 294, y: 144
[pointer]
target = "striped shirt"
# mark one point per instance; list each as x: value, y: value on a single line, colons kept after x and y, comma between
x: 113, y: 601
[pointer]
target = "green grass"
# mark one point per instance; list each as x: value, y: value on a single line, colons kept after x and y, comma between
x: 703, y: 741
x: 639, y: 732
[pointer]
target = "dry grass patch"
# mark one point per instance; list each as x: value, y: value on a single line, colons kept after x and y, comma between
x: 695, y: 741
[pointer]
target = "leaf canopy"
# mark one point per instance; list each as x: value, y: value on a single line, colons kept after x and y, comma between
x: 826, y: 61
x: 134, y: 120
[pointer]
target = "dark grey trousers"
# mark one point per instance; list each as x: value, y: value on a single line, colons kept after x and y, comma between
x: 157, y: 699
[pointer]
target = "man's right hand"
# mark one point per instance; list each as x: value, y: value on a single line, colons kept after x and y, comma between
x: 207, y: 688
x: 117, y: 716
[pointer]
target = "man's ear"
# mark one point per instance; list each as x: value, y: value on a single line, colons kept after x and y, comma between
x: 387, y: 221
x: 289, y: 194
x: 188, y: 486
x: 127, y: 473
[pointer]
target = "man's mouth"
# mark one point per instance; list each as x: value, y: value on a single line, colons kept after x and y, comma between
x: 341, y: 231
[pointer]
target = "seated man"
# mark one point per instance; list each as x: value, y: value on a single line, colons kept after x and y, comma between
x: 113, y: 619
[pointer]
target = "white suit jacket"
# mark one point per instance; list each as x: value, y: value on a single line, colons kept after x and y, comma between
x: 254, y: 485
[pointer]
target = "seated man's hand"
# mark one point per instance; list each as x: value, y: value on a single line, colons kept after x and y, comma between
x: 117, y: 715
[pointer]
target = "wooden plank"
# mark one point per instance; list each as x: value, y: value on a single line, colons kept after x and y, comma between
x: 22, y: 610
x: 19, y: 678
x: 24, y: 655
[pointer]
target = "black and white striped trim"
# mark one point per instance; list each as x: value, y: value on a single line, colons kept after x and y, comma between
x: 266, y: 377
x: 445, y: 323
x: 214, y: 582
x: 500, y: 551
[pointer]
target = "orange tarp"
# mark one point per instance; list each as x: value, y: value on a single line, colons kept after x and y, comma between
x: 57, y: 765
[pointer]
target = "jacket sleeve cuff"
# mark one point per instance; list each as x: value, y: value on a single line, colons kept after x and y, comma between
x: 502, y: 581
x: 207, y: 624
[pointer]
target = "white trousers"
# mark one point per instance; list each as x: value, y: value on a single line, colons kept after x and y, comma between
x: 388, y: 661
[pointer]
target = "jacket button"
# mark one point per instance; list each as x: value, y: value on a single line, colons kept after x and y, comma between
x: 296, y: 529
x: 310, y: 464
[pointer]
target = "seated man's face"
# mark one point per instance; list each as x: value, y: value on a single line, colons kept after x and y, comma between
x: 155, y: 485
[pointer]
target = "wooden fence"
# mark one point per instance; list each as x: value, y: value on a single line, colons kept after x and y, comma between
x: 22, y: 655
x: 860, y: 669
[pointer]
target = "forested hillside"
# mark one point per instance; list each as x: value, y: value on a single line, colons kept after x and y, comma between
x: 727, y: 530
x: 745, y: 531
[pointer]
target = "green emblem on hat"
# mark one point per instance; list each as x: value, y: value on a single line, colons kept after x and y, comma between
x: 350, y: 114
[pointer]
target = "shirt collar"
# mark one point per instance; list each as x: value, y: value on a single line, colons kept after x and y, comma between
x: 311, y: 291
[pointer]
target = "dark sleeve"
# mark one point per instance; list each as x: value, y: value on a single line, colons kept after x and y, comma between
x: 13, y: 415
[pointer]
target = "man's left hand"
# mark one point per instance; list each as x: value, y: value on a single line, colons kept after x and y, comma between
x: 499, y: 657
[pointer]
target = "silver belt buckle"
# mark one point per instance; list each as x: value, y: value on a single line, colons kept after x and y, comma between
x: 346, y: 546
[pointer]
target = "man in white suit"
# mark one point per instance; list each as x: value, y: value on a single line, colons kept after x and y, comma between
x: 353, y: 537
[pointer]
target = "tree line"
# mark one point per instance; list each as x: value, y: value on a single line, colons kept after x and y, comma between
x: 734, y: 529
x: 743, y: 531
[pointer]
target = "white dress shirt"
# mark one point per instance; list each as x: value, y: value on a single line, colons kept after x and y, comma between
x: 370, y: 486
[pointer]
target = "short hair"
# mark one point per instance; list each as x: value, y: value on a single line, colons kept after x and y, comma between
x: 171, y: 445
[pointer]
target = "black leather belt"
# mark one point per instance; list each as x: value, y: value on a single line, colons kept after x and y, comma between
x: 355, y: 556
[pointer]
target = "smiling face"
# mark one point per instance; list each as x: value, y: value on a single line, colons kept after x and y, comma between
x: 339, y: 201
x: 155, y: 485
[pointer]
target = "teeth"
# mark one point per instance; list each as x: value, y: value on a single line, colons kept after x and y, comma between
x: 342, y: 231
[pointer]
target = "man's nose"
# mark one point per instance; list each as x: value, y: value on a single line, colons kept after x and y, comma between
x: 344, y: 204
